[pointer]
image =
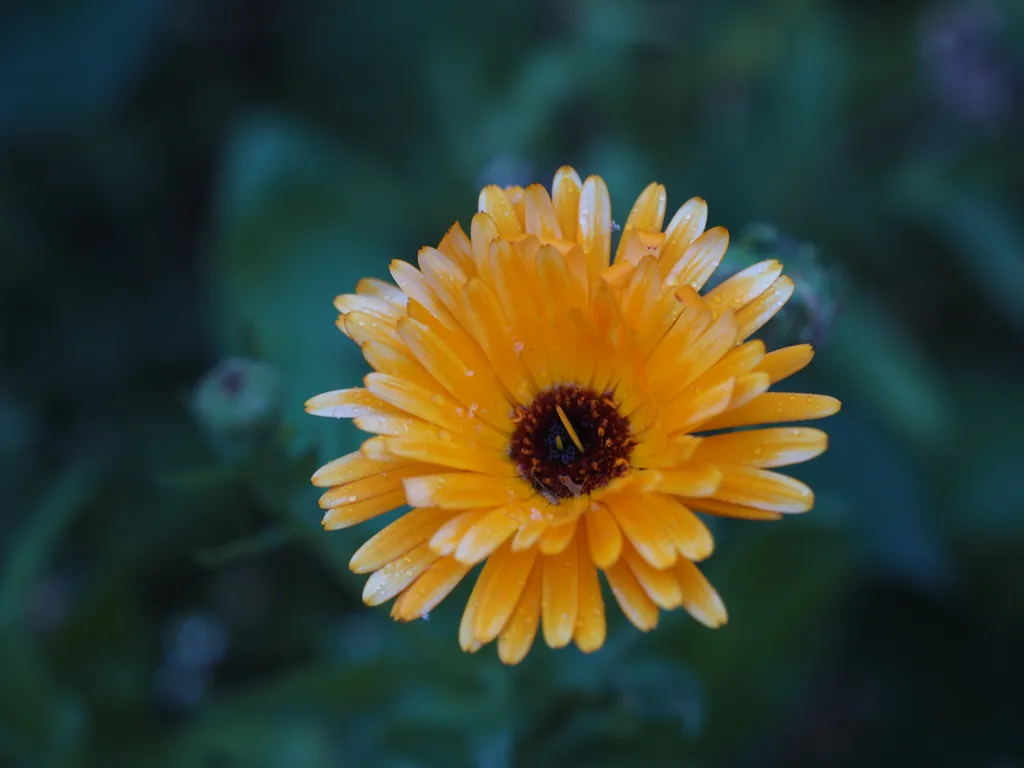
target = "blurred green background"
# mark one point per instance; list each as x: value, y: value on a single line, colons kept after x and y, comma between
x: 184, y: 187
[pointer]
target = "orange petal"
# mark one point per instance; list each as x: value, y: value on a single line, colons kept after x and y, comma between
x: 775, y: 447
x: 565, y: 195
x: 661, y: 586
x: 457, y: 246
x: 347, y: 469
x: 494, y: 202
x: 595, y: 224
x: 589, y: 632
x: 603, y: 536
x: 486, y: 535
x: 476, y: 389
x: 520, y: 630
x: 648, y: 212
x: 371, y: 286
x: 464, y: 490
x: 540, y: 214
x: 448, y: 452
x: 511, y: 574
x: 743, y: 287
x: 692, y: 480
x: 725, y: 509
x: 346, y: 404
x: 685, y: 414
x: 763, y: 309
x: 423, y: 595
x: 701, y: 259
x: 786, y: 361
x: 397, y: 575
x: 558, y: 537
x: 434, y: 408
x: 409, y: 531
x: 375, y: 485
x: 351, y: 514
x: 699, y: 598
x: 776, y: 407
x: 692, y: 538
x: 447, y: 537
x: 560, y: 599
x: 643, y: 529
x: 761, y: 489
x: 685, y: 227
x: 631, y: 597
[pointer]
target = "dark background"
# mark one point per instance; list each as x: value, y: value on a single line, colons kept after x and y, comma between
x: 184, y: 181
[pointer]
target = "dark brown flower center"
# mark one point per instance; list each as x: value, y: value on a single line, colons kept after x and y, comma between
x: 570, y: 441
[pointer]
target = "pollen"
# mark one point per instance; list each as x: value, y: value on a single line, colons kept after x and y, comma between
x: 571, y: 441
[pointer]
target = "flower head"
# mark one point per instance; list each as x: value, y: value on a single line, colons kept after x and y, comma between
x: 541, y: 407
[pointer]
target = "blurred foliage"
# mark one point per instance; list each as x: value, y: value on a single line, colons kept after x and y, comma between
x: 184, y: 184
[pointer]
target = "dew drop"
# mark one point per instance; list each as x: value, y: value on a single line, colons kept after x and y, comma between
x: 470, y: 372
x: 518, y: 347
x: 445, y: 435
x: 436, y: 399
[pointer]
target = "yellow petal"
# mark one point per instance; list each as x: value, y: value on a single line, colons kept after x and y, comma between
x: 699, y: 598
x: 560, y: 599
x: 786, y: 361
x: 409, y: 531
x: 661, y: 586
x: 496, y: 204
x: 635, y: 603
x: 603, y: 536
x: 589, y: 632
x: 777, y: 407
x: 520, y: 630
x: 685, y: 227
x: 397, y: 575
x: 423, y: 595
x: 351, y: 514
x: 775, y: 447
x: 511, y: 574
x: 464, y: 490
x: 529, y: 534
x: 595, y: 224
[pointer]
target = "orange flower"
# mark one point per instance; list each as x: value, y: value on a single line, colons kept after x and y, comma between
x: 538, y: 407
